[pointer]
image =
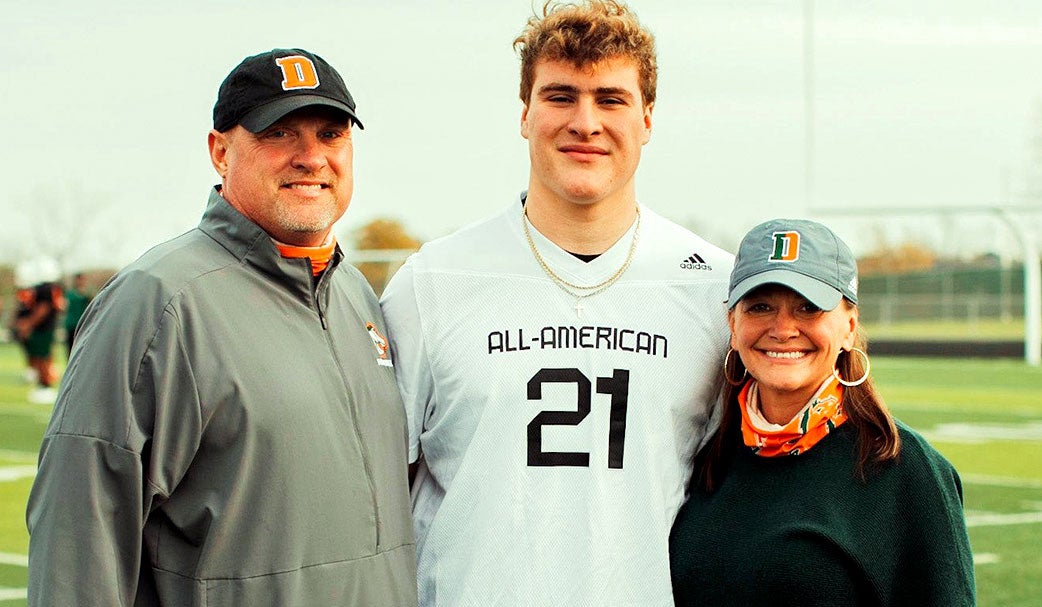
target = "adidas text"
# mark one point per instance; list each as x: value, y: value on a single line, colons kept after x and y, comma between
x: 695, y: 262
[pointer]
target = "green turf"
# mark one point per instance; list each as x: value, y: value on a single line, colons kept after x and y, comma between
x: 1002, y: 477
x: 1013, y: 581
x: 984, y: 329
x: 13, y: 538
x: 933, y: 394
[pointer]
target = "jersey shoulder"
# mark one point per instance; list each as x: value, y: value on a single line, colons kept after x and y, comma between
x: 677, y: 252
x: 490, y: 244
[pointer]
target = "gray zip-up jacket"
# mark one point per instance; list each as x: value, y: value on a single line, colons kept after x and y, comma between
x: 227, y: 433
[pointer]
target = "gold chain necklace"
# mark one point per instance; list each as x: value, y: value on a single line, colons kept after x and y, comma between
x: 580, y: 292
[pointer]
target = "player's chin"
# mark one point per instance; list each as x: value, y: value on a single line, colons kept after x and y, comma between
x: 585, y: 191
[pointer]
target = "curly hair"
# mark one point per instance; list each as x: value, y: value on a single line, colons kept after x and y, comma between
x: 586, y: 33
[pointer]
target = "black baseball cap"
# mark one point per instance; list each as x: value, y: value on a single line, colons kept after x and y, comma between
x: 266, y: 87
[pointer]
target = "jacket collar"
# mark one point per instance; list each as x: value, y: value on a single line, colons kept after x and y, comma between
x: 252, y: 245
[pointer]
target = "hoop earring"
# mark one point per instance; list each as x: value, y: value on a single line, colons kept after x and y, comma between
x: 859, y: 381
x: 727, y: 373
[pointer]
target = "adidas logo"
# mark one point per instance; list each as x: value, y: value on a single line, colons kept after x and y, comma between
x: 695, y: 262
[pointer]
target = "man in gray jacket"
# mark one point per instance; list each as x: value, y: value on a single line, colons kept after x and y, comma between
x: 229, y: 431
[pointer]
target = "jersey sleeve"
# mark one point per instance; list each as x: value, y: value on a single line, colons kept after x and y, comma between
x: 716, y: 413
x: 409, y: 351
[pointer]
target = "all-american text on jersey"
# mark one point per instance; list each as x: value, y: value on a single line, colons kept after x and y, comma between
x: 579, y: 338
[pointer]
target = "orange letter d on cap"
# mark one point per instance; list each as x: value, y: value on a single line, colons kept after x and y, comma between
x: 297, y: 73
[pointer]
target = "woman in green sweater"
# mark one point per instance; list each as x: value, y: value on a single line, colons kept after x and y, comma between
x: 811, y: 493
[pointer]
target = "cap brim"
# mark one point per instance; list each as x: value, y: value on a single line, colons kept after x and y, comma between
x: 266, y: 115
x: 816, y: 292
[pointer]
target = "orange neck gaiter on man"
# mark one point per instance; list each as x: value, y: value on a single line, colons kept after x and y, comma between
x: 319, y: 255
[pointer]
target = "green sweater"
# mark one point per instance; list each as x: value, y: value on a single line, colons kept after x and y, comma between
x: 801, y: 530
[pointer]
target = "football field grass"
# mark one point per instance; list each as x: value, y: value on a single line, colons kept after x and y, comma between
x: 984, y: 415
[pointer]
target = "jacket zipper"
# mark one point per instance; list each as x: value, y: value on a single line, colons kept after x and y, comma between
x: 351, y: 404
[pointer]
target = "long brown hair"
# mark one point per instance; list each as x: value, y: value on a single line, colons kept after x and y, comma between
x: 877, y: 439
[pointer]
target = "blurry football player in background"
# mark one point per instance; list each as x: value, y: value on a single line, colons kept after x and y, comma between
x: 40, y: 301
x: 76, y: 298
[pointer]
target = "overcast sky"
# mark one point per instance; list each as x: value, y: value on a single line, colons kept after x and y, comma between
x: 915, y: 103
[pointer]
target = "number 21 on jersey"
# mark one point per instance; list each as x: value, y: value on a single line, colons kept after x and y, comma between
x: 616, y: 386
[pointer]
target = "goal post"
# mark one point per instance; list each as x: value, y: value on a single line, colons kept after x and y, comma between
x: 1025, y: 240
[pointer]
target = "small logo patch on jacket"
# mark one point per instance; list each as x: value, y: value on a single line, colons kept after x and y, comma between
x: 383, y: 357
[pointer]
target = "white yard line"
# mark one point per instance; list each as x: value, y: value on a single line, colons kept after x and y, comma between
x: 1030, y: 414
x: 16, y: 473
x: 11, y: 594
x: 992, y: 520
x: 1001, y: 481
x: 976, y: 433
x: 28, y: 457
x: 18, y: 560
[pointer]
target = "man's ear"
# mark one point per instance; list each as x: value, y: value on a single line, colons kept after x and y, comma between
x: 524, y: 122
x: 218, y: 143
x: 648, y: 109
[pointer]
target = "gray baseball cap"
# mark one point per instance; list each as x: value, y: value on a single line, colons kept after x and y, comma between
x: 802, y: 255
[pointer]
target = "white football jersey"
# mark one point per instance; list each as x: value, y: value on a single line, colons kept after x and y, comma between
x: 556, y: 442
